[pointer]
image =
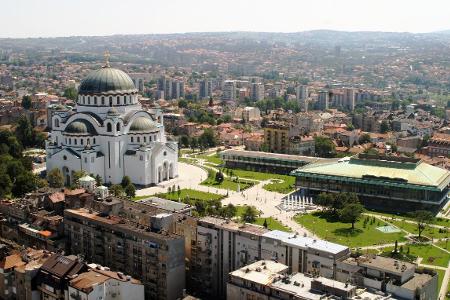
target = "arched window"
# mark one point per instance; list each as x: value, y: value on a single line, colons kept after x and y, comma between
x: 75, y: 141
x: 103, y: 100
x: 70, y: 141
x: 145, y: 139
x: 118, y: 127
x: 56, y: 122
x: 94, y: 141
x: 88, y: 142
x: 89, y: 100
x: 150, y: 138
x: 95, y: 100
x: 109, y: 127
x: 84, y: 99
x: 138, y: 139
x: 110, y: 101
x: 132, y: 139
x: 82, y: 141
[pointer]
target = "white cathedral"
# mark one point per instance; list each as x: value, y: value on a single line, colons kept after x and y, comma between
x: 109, y: 134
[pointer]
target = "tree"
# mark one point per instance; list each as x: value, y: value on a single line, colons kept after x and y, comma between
x: 219, y: 177
x: 250, y: 214
x: 98, y: 180
x: 70, y: 93
x: 55, y: 178
x: 364, y: 139
x: 351, y: 212
x: 182, y: 103
x: 228, y: 211
x: 24, y: 183
x: 130, y: 190
x: 126, y: 181
x: 384, y: 126
x: 24, y: 131
x: 26, y: 102
x: 265, y: 223
x: 184, y: 141
x: 324, y: 146
x: 324, y: 199
x: 207, y: 138
x: 76, y: 177
x: 116, y: 190
x: 422, y: 218
x: 6, y: 184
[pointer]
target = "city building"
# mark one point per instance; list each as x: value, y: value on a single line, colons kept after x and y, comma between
x: 150, y: 252
x: 302, y: 93
x: 323, y: 100
x: 257, y: 91
x: 265, y: 161
x: 267, y: 279
x: 302, y: 145
x: 391, y: 276
x: 439, y: 145
x: 101, y: 283
x: 108, y: 134
x: 276, y: 137
x: 205, y: 89
x: 381, y: 182
x: 251, y: 114
x: 229, y: 90
x: 349, y: 98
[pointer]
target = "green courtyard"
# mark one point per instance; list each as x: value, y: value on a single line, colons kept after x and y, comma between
x: 189, y: 194
x: 364, y: 234
x: 430, y: 255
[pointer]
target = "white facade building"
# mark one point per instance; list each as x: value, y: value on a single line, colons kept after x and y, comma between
x: 109, y: 134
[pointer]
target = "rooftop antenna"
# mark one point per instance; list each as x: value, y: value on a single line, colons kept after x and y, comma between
x: 107, y: 55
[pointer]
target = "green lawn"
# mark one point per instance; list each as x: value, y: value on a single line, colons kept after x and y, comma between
x: 430, y: 254
x: 191, y: 194
x: 281, y: 183
x: 214, y: 159
x: 412, y: 228
x: 441, y: 274
x: 272, y: 224
x: 436, y: 221
x: 444, y: 244
x: 141, y: 197
x: 226, y: 184
x: 342, y: 233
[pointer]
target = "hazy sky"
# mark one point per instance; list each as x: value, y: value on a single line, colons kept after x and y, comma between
x: 43, y: 18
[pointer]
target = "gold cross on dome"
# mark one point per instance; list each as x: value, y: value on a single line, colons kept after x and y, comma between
x: 106, y: 55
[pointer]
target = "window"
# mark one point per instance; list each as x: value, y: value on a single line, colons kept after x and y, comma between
x: 118, y: 127
x: 88, y: 141
x: 94, y: 141
x: 95, y: 100
x: 92, y: 159
x: 103, y: 100
x: 110, y: 101
x: 89, y: 100
x: 138, y: 139
x: 132, y: 139
x: 56, y: 122
x: 70, y: 141
x: 145, y: 139
x: 82, y: 141
x: 85, y: 160
x: 141, y: 157
x: 65, y: 157
x: 75, y: 141
x: 150, y: 138
x: 109, y: 127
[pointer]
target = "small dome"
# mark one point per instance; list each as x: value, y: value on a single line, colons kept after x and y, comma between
x: 143, y: 124
x: 80, y: 127
x: 113, y: 111
x: 106, y: 81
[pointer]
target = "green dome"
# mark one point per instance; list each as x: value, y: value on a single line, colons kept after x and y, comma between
x: 143, y: 124
x: 106, y: 81
x: 81, y: 127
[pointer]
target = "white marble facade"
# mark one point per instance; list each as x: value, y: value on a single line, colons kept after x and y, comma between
x: 109, y: 134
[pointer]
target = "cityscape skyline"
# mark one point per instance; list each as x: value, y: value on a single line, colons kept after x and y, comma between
x: 23, y: 18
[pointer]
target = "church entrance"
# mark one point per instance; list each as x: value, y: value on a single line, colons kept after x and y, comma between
x: 66, y: 175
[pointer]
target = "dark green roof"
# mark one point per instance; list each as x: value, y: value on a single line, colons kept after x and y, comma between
x: 143, y: 124
x: 81, y: 126
x: 106, y: 81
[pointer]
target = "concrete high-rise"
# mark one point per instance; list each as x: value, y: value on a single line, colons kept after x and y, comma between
x: 205, y: 89
x: 257, y: 91
x: 323, y: 100
x: 229, y: 90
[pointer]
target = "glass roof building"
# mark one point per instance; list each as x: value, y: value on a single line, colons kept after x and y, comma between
x: 387, y: 183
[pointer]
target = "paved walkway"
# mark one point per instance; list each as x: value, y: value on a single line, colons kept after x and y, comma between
x: 190, y: 177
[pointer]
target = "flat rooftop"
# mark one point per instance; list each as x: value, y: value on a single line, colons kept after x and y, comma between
x: 382, y: 171
x: 261, y: 272
x: 295, y: 240
x: 233, y: 226
x: 165, y: 204
x: 385, y: 264
x: 274, y: 156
